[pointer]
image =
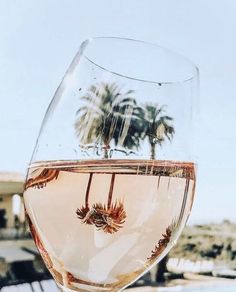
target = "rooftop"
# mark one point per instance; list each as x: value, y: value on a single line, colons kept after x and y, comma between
x: 11, y: 183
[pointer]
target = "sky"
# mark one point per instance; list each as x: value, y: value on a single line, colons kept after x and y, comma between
x: 38, y: 40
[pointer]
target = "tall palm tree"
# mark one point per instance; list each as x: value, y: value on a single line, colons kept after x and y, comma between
x: 108, y: 116
x: 157, y: 127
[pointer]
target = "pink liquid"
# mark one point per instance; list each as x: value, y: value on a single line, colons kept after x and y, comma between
x: 100, y: 224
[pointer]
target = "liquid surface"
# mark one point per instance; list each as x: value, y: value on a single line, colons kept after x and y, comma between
x: 100, y: 224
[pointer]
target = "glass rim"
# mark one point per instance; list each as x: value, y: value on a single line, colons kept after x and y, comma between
x: 89, y: 40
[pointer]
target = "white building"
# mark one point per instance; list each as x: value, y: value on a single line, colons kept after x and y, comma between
x: 11, y: 204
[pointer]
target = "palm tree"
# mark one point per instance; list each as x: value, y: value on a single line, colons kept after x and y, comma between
x: 108, y: 116
x: 108, y: 218
x: 157, y: 126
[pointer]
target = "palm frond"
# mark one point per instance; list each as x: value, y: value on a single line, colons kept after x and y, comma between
x: 108, y: 114
x: 157, y: 125
x: 110, y: 220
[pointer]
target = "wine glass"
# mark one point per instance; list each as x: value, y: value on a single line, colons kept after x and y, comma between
x: 111, y: 181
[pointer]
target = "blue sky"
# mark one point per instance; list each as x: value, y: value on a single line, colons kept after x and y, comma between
x: 38, y: 40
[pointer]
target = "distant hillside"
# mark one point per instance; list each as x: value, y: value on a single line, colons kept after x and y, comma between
x: 213, y: 242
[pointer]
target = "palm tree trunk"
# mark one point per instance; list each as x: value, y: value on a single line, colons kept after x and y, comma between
x: 111, y: 191
x: 106, y: 149
x: 87, y: 191
x: 153, y: 151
